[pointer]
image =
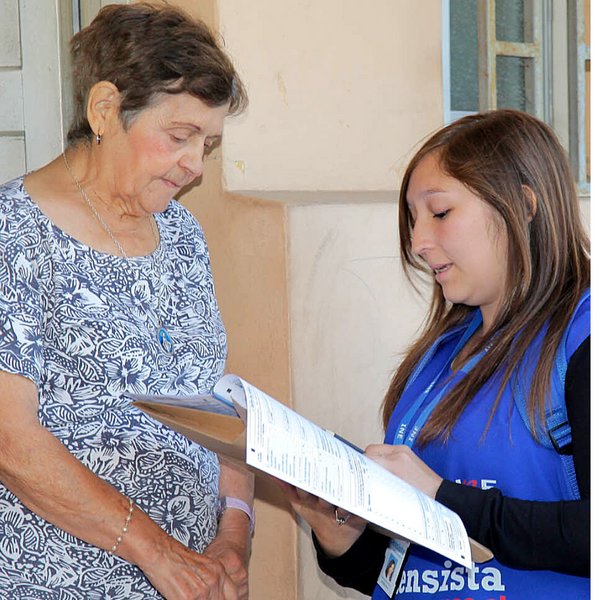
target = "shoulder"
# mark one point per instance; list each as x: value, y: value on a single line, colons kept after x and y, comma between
x: 18, y: 213
x: 183, y: 233
x: 179, y: 221
x: 176, y: 211
x: 12, y: 193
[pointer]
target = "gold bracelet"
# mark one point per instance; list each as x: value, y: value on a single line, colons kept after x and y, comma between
x: 124, y: 530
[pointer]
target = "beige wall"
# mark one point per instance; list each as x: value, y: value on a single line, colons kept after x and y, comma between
x: 248, y: 255
x: 299, y: 209
x: 309, y: 285
x: 333, y: 91
x: 351, y: 312
x: 248, y: 262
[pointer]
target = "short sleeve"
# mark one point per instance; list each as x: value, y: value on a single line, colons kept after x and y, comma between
x: 21, y: 299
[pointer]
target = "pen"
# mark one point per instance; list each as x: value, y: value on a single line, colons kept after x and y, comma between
x: 344, y: 441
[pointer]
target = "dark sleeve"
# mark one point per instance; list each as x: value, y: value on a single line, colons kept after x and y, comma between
x: 577, y: 399
x: 538, y: 535
x: 359, y: 567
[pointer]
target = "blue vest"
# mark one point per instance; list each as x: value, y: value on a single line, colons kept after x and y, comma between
x: 508, y: 458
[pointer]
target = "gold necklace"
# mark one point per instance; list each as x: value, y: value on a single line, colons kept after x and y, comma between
x: 162, y: 335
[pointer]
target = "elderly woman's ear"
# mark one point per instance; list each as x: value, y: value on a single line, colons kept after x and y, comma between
x: 103, y: 103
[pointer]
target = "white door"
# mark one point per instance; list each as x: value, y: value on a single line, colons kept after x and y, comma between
x: 35, y: 97
x: 31, y: 122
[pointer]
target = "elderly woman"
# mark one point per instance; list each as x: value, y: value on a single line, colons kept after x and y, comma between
x: 105, y: 289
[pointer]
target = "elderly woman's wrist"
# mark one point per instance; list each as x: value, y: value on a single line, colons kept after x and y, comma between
x: 146, y: 543
x: 235, y: 527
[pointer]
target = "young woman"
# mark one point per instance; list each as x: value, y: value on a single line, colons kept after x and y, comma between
x: 489, y: 210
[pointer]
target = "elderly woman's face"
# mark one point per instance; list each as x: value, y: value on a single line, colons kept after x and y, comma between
x: 162, y: 151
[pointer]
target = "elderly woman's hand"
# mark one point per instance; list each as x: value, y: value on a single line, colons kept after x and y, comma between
x: 231, y: 548
x: 232, y: 545
x: 181, y: 574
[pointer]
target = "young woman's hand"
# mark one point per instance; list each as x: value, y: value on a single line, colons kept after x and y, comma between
x: 404, y: 463
x: 335, y: 539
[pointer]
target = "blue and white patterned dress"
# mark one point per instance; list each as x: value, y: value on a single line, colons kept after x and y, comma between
x: 81, y: 325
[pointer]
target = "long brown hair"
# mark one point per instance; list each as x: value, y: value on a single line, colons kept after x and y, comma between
x: 498, y: 155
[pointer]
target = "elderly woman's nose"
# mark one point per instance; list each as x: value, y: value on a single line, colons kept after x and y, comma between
x: 193, y: 160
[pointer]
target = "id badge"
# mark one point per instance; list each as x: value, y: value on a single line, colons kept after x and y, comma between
x: 395, y: 555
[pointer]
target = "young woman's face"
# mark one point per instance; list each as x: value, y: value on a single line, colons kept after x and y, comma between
x: 459, y: 236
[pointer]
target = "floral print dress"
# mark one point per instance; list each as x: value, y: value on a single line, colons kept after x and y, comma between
x: 81, y: 325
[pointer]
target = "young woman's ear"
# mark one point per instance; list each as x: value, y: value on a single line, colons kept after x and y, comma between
x: 531, y: 202
x: 102, y: 105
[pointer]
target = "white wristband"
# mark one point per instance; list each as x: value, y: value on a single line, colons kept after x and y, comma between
x: 229, y: 502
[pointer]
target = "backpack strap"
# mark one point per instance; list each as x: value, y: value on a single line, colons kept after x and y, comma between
x: 558, y: 432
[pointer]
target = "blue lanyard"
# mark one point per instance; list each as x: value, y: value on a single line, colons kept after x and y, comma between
x: 401, y: 436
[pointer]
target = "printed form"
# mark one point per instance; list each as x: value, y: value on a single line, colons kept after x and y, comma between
x: 288, y: 446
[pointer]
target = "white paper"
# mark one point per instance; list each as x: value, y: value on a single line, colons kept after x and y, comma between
x: 284, y: 444
x: 288, y: 446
